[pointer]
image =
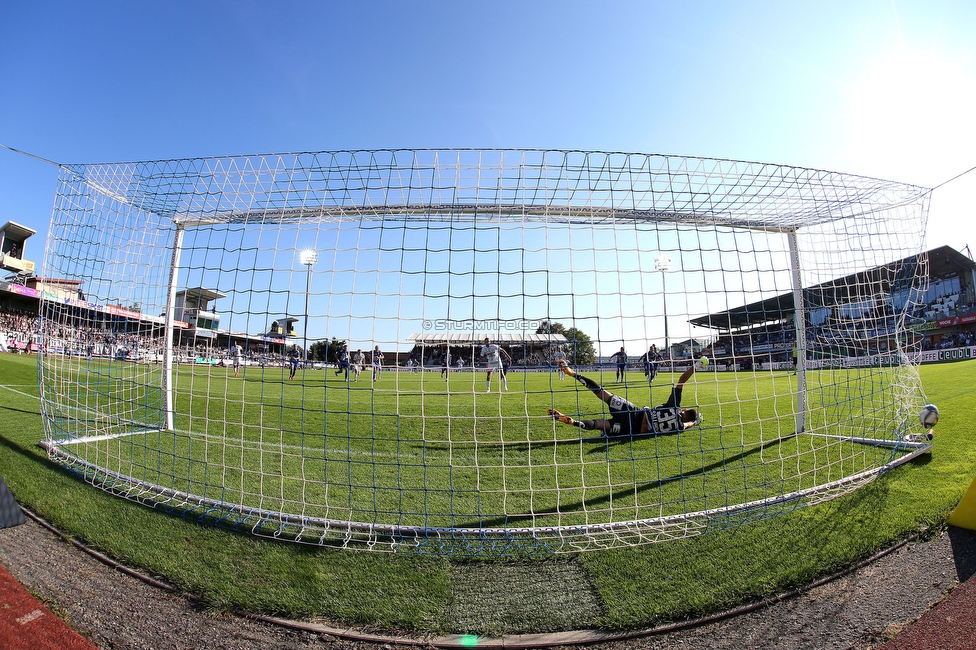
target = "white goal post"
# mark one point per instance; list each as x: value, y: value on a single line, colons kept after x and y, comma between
x: 294, y: 344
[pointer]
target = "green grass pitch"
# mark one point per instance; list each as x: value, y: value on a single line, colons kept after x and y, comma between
x: 414, y: 450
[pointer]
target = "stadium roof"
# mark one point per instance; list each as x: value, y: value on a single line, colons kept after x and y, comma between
x: 439, y: 338
x: 947, y: 261
x: 771, y: 309
x: 942, y: 262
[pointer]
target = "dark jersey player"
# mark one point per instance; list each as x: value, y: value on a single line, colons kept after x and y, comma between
x: 294, y: 356
x: 627, y: 419
x: 651, y: 361
x: 342, y: 356
x: 621, y: 359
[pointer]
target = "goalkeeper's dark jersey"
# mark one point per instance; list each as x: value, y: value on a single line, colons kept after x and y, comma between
x: 663, y: 419
x: 627, y: 419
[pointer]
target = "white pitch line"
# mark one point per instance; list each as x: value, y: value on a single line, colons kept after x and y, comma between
x: 13, y: 389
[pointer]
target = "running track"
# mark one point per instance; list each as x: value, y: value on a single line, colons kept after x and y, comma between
x: 27, y: 624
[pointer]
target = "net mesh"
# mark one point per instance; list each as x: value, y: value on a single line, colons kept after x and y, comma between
x: 260, y: 341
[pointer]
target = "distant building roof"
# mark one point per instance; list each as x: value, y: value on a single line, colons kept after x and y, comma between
x: 16, y: 231
x: 59, y: 286
x: 201, y: 294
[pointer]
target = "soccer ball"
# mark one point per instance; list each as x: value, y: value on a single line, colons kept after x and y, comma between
x: 704, y: 361
x: 929, y: 416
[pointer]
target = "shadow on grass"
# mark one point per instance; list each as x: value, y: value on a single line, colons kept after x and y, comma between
x: 584, y: 504
x: 36, y: 455
x: 28, y: 412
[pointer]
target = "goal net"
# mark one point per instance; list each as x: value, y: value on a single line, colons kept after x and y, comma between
x: 364, y: 348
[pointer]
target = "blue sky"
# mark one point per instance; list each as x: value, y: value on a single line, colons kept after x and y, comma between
x: 877, y: 88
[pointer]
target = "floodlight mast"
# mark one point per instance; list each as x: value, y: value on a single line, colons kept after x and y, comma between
x: 663, y: 264
x: 308, y: 258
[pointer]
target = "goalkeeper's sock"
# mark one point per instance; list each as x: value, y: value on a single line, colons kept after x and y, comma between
x: 589, y: 383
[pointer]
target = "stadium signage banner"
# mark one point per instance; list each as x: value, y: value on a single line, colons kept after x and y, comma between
x: 888, y: 360
x: 844, y: 362
x: 20, y: 290
x: 957, y: 320
x: 128, y: 313
x: 114, y: 310
x: 881, y: 360
x: 928, y: 356
x: 952, y: 354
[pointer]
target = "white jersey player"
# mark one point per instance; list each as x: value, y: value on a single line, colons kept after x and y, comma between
x: 493, y: 353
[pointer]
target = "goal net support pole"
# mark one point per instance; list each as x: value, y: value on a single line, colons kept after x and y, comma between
x: 799, y: 322
x: 170, y: 329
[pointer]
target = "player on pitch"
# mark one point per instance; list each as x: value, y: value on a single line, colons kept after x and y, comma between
x: 493, y: 354
x: 627, y: 419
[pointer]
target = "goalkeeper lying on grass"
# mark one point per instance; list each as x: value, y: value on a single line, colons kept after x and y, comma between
x: 629, y: 420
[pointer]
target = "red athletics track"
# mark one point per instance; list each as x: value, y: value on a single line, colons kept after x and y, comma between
x: 950, y: 625
x: 26, y: 624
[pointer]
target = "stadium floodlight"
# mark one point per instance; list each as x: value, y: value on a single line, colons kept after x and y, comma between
x: 308, y: 257
x: 422, y: 249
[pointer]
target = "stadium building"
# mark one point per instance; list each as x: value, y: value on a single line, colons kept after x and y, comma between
x: 763, y: 334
